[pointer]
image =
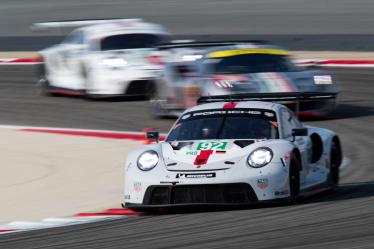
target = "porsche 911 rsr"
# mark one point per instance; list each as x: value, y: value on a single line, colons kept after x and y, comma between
x: 103, y: 58
x: 242, y: 68
x: 232, y: 153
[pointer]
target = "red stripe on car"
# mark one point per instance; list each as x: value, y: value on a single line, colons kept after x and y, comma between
x: 202, y: 158
x: 229, y: 105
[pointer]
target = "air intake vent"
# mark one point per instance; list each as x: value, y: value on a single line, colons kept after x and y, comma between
x: 243, y: 143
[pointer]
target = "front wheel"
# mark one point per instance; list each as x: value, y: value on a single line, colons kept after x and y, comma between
x: 294, y: 179
x: 335, y: 159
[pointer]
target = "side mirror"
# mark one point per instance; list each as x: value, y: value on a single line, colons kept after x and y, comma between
x: 300, y: 132
x: 153, y: 135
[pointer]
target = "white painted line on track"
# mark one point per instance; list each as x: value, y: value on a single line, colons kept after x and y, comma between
x: 23, y: 225
x: 17, y: 226
x: 17, y: 127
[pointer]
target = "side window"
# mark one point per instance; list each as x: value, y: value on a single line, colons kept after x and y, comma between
x: 289, y: 122
x: 295, y: 121
x: 286, y: 125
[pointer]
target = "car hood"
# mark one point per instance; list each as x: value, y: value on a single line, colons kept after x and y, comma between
x: 204, y: 154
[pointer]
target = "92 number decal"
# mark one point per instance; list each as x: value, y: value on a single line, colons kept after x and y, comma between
x: 211, y: 146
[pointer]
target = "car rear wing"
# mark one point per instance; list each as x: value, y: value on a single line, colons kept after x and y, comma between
x: 40, y: 26
x: 205, y: 44
x: 284, y: 97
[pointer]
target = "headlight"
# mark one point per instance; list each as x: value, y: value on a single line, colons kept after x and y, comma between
x: 114, y: 63
x: 260, y: 157
x: 147, y: 160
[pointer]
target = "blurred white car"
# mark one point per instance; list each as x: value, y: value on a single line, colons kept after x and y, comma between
x: 103, y: 58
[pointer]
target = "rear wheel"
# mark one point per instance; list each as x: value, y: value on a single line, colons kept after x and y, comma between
x: 294, y: 179
x: 43, y: 82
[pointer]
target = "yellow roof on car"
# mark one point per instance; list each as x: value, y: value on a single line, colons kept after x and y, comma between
x: 233, y: 52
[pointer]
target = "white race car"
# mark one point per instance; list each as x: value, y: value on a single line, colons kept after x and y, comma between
x: 234, y: 153
x: 103, y: 58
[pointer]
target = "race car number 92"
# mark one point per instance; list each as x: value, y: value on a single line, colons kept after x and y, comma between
x: 211, y: 146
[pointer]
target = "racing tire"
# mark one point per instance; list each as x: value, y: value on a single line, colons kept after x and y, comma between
x: 335, y: 159
x: 294, y: 179
x: 44, y: 85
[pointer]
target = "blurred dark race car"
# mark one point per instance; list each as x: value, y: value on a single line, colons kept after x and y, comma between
x: 221, y: 69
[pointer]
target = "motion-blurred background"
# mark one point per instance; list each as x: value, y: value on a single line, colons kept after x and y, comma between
x: 307, y: 24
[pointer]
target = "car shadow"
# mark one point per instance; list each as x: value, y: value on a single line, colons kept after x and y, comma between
x: 121, y: 99
x: 346, y: 191
x: 343, y: 111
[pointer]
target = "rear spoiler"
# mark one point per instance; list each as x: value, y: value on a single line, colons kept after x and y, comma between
x: 202, y: 44
x: 293, y: 97
x: 76, y: 23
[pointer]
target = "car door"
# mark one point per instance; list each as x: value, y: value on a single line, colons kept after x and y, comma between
x: 289, y: 122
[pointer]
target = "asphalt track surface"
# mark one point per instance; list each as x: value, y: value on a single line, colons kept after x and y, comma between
x: 202, y: 16
x: 298, y: 25
x: 342, y: 220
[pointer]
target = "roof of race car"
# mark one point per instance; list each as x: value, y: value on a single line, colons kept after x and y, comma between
x: 123, y: 27
x: 191, y: 54
x: 249, y: 48
x: 232, y: 105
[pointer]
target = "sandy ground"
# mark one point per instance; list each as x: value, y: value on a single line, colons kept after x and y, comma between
x: 48, y: 175
x: 296, y: 54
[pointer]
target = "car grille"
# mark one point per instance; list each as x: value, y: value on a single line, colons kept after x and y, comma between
x: 237, y: 193
x: 140, y: 87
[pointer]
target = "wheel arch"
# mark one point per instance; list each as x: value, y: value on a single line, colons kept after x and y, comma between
x: 317, y: 147
x: 339, y: 155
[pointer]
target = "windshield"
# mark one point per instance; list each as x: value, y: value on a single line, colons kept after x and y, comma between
x: 225, y: 124
x: 132, y: 41
x: 248, y: 63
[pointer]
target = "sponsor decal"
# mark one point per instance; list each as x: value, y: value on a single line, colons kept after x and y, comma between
x: 212, y: 146
x: 283, y: 192
x: 262, y: 183
x: 194, y: 176
x: 127, y: 197
x: 137, y: 186
x: 224, y: 83
x: 322, y: 80
x: 191, y: 153
x: 202, y: 158
x: 235, y: 111
x: 220, y: 152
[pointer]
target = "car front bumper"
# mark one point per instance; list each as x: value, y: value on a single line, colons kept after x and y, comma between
x: 239, y: 185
